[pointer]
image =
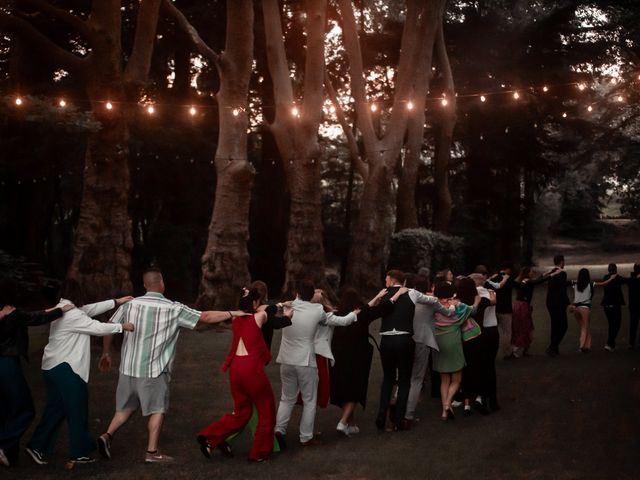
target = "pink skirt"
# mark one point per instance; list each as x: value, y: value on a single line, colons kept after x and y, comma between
x: 522, y: 325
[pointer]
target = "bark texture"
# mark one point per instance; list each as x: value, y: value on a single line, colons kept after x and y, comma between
x: 296, y: 137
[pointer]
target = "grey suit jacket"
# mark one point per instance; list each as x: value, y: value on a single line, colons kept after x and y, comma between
x: 297, y: 344
x: 424, y: 318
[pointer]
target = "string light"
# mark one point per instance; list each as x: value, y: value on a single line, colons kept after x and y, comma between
x: 151, y: 110
x: 620, y: 98
x: 516, y: 95
x: 62, y: 103
x: 581, y: 86
x: 564, y: 115
x: 295, y: 112
x: 109, y: 106
x: 332, y: 109
x: 192, y: 111
x: 545, y: 89
x: 410, y: 105
x: 589, y: 108
x: 374, y: 107
x: 18, y: 101
x: 444, y: 102
x: 235, y: 112
x: 483, y: 98
x: 613, y: 81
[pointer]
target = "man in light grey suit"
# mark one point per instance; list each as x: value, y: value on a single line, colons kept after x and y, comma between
x: 297, y: 359
x: 425, y: 339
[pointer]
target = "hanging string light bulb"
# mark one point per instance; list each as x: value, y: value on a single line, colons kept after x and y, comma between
x: 62, y: 103
x: 374, y: 107
x: 581, y: 86
x: 18, y: 101
x: 545, y: 89
x: 295, y: 112
x: 516, y: 95
x: 150, y: 110
x: 192, y: 111
x: 483, y: 98
x: 235, y: 112
x: 109, y: 106
x: 410, y: 105
x: 444, y: 102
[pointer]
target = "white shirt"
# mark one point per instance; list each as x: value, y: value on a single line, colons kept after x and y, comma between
x: 70, y: 336
x: 583, y: 297
x: 324, y: 334
x: 490, y: 319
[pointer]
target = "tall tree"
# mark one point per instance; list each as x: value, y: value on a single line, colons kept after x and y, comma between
x: 374, y: 224
x: 102, y: 246
x: 295, y: 129
x: 225, y: 263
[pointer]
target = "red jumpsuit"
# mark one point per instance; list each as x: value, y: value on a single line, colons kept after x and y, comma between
x: 249, y: 386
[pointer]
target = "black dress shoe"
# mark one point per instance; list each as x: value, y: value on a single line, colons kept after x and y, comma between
x: 205, y: 448
x: 494, y: 405
x: 466, y: 412
x: 225, y: 449
x: 281, y: 441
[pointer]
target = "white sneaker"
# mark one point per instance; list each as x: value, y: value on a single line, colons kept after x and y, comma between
x: 456, y: 404
x: 353, y: 429
x: 609, y: 349
x: 342, y: 429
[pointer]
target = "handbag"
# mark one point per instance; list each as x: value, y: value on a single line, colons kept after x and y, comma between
x: 470, y: 329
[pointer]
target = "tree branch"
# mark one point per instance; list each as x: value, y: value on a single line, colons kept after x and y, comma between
x: 137, y: 70
x: 73, y: 21
x: 314, y: 61
x: 192, y: 33
x: 356, y: 71
x: 50, y: 51
x: 277, y: 58
x: 361, y: 167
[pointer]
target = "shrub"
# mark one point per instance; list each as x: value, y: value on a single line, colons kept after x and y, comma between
x: 415, y: 248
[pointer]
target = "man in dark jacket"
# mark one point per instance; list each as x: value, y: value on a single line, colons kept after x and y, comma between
x: 557, y: 303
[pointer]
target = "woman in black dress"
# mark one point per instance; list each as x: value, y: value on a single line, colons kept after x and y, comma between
x: 353, y: 353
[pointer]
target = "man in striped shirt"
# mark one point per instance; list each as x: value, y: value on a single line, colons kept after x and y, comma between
x: 147, y: 359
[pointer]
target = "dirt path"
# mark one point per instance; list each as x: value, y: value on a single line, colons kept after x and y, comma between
x: 571, y: 417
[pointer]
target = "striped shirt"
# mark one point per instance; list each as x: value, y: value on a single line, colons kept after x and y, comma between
x: 151, y: 348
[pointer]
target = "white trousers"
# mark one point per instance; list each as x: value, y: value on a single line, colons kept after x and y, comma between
x: 303, y: 380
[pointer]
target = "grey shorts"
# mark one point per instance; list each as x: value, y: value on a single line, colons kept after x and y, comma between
x: 150, y: 394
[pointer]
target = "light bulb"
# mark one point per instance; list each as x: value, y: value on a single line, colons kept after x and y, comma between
x: 150, y: 110
x: 444, y: 102
x: 620, y: 98
x: 516, y: 95
x: 589, y: 108
x: 192, y: 111
x: 581, y: 86
x: 62, y: 103
x: 545, y: 89
x: 109, y: 106
x: 613, y: 81
x: 295, y: 112
x: 374, y: 107
x: 564, y: 115
x: 410, y: 105
x: 483, y: 98
x: 332, y: 109
x: 18, y: 101
x: 235, y: 112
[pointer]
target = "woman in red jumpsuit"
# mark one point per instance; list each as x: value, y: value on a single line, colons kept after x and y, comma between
x: 249, y: 384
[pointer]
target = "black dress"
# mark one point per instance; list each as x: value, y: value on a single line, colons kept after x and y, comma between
x: 353, y: 352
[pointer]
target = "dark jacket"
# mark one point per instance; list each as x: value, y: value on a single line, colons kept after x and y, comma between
x: 633, y: 283
x: 557, y: 291
x: 14, y: 334
x: 613, y: 291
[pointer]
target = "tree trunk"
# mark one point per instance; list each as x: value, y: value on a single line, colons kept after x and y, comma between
x: 444, y: 137
x: 103, y: 243
x: 225, y: 263
x: 406, y: 209
x: 372, y: 230
x: 296, y: 137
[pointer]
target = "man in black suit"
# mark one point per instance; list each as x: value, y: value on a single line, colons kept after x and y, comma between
x: 557, y: 303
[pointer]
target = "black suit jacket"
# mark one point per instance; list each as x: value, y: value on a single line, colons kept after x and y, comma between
x: 557, y: 291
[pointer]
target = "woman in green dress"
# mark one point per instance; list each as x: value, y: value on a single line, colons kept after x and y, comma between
x: 449, y: 360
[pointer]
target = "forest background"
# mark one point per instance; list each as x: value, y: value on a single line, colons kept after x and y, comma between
x: 330, y: 139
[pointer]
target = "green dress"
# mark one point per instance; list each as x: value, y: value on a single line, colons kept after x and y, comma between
x: 448, y: 330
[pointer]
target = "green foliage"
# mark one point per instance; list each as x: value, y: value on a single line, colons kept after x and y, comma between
x: 415, y: 248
